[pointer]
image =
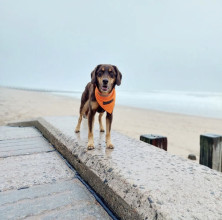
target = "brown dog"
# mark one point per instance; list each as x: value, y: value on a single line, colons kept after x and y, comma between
x: 104, y: 77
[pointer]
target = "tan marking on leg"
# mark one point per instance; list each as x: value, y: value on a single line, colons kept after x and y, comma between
x: 90, y: 145
x: 100, y: 122
x: 108, y: 136
x: 93, y: 105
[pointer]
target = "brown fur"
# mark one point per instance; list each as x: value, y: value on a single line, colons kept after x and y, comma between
x: 103, y: 76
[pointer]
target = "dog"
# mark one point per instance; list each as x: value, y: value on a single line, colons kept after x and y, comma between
x: 99, y: 96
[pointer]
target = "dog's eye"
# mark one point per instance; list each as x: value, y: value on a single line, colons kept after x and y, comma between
x: 99, y: 74
x: 111, y: 74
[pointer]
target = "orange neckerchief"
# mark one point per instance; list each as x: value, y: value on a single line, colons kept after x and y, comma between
x: 107, y: 102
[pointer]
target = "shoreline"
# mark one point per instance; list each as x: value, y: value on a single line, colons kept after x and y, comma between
x: 148, y: 109
x: 36, y: 90
x: 63, y: 94
x: 182, y: 131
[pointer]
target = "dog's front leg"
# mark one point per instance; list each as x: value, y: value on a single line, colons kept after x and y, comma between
x: 91, y: 116
x: 109, y: 118
x: 100, y: 122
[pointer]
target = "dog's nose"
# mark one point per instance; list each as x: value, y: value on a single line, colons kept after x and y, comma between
x: 105, y: 81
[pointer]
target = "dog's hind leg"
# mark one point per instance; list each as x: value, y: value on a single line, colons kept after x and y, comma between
x: 83, y: 110
x: 79, y: 123
x: 100, y: 122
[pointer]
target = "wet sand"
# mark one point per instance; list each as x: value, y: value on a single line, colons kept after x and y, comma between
x: 182, y: 131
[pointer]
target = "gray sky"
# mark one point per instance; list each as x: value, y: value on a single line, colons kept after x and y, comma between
x: 169, y: 45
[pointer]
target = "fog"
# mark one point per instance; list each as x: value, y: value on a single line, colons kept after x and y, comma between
x: 157, y: 45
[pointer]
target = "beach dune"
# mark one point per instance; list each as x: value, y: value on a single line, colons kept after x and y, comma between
x: 182, y: 131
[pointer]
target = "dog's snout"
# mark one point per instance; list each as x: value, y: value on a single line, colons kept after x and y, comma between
x: 105, y: 81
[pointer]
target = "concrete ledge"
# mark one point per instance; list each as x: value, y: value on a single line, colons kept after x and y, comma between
x: 137, y: 180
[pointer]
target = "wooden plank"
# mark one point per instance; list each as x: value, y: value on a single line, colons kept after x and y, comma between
x: 156, y: 140
x: 211, y: 151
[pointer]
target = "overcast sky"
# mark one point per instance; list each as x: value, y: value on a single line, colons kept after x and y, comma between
x: 169, y: 45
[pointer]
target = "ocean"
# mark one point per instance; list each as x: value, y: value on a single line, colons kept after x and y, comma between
x: 205, y: 104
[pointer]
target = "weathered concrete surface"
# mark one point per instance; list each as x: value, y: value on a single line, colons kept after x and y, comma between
x: 9, y: 133
x: 40, y: 185
x: 62, y: 200
x: 35, y: 169
x: 137, y: 180
x: 12, y: 143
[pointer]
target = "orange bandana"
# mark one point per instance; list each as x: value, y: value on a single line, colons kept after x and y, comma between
x: 107, y: 102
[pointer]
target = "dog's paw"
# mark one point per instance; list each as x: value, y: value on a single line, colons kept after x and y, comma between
x: 77, y: 130
x: 110, y: 146
x: 90, y: 146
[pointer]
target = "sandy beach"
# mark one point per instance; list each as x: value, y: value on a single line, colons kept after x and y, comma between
x: 182, y: 131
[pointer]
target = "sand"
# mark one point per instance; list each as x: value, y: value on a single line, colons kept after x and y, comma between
x: 182, y: 131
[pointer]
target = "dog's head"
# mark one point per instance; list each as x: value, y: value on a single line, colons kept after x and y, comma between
x: 106, y: 77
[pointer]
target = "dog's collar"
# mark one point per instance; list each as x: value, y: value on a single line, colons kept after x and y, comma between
x: 107, y: 102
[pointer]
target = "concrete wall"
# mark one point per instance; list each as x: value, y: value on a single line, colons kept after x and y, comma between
x: 136, y: 180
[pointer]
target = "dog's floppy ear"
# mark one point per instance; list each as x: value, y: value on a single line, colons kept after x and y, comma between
x: 118, y: 76
x: 93, y: 74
